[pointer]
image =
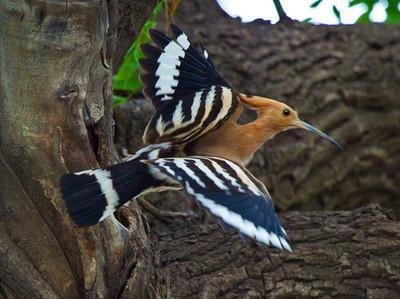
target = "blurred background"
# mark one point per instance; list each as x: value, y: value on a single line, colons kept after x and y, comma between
x: 330, y: 12
x: 335, y: 61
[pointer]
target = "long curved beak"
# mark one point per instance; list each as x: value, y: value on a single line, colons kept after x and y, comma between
x: 306, y: 126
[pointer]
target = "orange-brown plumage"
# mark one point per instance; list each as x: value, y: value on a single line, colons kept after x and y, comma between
x: 239, y: 142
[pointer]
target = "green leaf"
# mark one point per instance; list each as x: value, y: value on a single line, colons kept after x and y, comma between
x: 308, y: 20
x: 393, y: 14
x: 369, y: 3
x: 118, y: 100
x: 127, y: 76
x: 356, y: 2
x: 337, y: 13
x: 315, y: 4
x: 364, y: 18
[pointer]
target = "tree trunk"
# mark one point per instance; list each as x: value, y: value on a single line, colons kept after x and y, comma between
x: 56, y: 60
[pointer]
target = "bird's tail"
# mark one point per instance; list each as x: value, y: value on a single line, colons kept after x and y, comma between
x: 92, y: 195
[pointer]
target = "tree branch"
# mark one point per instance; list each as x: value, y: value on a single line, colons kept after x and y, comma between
x: 336, y: 254
x: 283, y: 17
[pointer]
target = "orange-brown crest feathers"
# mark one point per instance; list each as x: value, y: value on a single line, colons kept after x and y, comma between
x: 254, y: 102
x: 273, y: 114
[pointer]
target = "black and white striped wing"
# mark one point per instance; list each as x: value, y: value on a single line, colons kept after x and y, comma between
x: 229, y: 192
x: 175, y: 68
x: 189, y: 118
x: 190, y: 96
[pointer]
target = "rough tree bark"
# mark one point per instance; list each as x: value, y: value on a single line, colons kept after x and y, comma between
x: 56, y: 62
x: 350, y: 254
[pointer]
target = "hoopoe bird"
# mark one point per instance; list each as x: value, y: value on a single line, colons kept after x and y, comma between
x: 193, y: 142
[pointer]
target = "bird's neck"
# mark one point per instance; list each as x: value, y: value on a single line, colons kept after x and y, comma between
x: 236, y: 142
x: 252, y: 136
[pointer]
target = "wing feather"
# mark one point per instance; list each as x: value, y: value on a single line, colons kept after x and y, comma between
x: 177, y: 76
x: 184, y: 62
x: 230, y: 193
x: 202, y: 112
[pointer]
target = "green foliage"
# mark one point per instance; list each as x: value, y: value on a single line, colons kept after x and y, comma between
x: 316, y: 3
x: 393, y: 13
x: 392, y: 10
x: 127, y: 77
x: 337, y: 13
x: 118, y: 100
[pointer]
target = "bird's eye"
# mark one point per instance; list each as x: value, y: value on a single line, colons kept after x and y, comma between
x: 286, y: 112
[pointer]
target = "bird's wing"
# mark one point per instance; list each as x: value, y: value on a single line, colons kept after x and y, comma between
x: 175, y: 68
x: 190, y: 96
x: 230, y: 193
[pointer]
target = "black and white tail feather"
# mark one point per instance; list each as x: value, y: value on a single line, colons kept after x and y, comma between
x: 93, y: 195
x: 190, y: 95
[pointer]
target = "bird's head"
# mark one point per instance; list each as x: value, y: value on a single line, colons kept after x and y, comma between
x: 280, y: 117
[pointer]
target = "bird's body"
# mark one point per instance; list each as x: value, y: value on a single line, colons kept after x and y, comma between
x: 193, y: 142
x: 239, y: 142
